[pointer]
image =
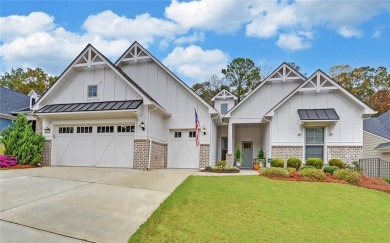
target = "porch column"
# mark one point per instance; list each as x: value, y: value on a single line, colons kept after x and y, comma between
x: 229, y: 155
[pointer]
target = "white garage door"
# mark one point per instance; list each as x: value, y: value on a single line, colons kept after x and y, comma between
x: 182, y: 150
x: 104, y: 146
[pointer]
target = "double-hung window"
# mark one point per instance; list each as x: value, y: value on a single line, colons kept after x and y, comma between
x: 92, y: 91
x: 314, y: 142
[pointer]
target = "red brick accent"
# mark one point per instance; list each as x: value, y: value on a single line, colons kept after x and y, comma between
x: 204, y: 155
x: 158, y: 157
x: 346, y: 153
x: 46, y: 153
x: 285, y: 152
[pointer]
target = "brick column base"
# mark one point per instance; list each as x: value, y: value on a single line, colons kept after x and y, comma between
x: 204, y: 155
x: 46, y: 153
x: 348, y: 154
x: 38, y: 125
x: 229, y: 160
x: 158, y: 158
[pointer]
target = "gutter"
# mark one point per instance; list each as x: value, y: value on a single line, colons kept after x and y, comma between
x: 150, y: 140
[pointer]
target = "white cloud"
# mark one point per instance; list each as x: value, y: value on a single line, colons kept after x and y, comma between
x: 294, y: 42
x: 190, y: 39
x: 195, y: 63
x: 16, y: 26
x: 377, y: 34
x: 218, y: 16
x: 349, y: 32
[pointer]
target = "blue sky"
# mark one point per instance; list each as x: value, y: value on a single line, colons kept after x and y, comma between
x: 196, y: 39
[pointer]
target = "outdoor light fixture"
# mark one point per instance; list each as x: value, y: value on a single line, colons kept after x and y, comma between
x: 47, y: 130
x: 204, y: 130
x: 143, y: 126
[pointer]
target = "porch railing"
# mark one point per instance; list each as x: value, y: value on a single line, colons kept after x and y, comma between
x: 376, y: 167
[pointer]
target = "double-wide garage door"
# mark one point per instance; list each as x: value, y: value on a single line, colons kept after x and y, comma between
x: 104, y: 146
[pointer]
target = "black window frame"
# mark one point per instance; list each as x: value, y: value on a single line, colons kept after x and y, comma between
x: 192, y: 134
x: 125, y: 129
x: 177, y: 134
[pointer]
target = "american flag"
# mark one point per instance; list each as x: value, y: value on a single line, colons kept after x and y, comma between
x: 197, y: 125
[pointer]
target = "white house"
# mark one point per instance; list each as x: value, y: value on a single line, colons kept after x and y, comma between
x: 136, y: 113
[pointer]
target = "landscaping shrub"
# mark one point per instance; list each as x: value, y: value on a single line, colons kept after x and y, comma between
x: 350, y: 176
x: 307, y: 167
x: 207, y: 167
x: 290, y: 169
x: 273, y: 172
x: 337, y: 162
x: 330, y: 169
x: 294, y: 162
x: 311, y: 173
x: 221, y: 163
x: 276, y: 162
x: 7, y: 161
x: 355, y: 166
x: 316, y: 162
x: 386, y: 179
x: 22, y: 142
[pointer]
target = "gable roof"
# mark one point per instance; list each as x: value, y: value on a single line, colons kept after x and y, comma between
x: 11, y: 100
x: 378, y: 125
x: 147, y: 54
x: 368, y: 109
x: 106, y: 61
x: 36, y: 92
x: 224, y: 94
x: 270, y: 78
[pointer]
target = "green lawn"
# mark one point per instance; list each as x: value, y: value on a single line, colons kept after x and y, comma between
x: 254, y: 208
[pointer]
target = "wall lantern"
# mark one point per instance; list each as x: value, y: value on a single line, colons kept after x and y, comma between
x: 47, y: 130
x: 204, y: 130
x: 142, y: 126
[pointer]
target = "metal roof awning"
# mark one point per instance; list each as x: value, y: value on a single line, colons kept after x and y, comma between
x: 318, y: 115
x: 91, y: 106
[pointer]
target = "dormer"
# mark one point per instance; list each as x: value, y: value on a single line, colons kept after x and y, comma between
x: 224, y: 101
x: 34, y: 96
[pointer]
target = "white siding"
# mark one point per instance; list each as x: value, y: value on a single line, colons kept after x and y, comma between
x: 74, y: 88
x: 266, y: 131
x: 213, y: 144
x: 348, y: 130
x: 228, y: 101
x: 158, y: 127
x: 370, y: 141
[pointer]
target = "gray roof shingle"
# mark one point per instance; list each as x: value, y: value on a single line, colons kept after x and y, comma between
x: 11, y: 100
x: 378, y: 125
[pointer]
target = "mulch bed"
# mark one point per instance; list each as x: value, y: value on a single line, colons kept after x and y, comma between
x: 366, y: 182
x: 19, y: 166
x: 220, y: 171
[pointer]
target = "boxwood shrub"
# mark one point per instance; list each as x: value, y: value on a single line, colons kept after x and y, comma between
x: 316, y: 162
x: 273, y: 172
x: 315, y: 174
x: 350, y: 176
x: 294, y: 162
x: 277, y: 162
x: 330, y: 169
x: 337, y: 162
x: 307, y: 167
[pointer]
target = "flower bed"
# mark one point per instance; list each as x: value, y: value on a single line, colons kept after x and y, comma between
x: 220, y: 169
x: 7, y: 161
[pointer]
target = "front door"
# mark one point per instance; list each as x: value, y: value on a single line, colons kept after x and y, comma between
x: 247, y: 154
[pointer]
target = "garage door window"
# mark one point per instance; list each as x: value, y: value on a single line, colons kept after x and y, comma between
x: 65, y: 129
x: 192, y: 134
x: 125, y: 129
x: 105, y: 129
x: 84, y: 129
x: 177, y: 134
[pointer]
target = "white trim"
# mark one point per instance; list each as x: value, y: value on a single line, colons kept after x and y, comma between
x: 97, y: 92
x: 87, y: 112
x: 5, y: 116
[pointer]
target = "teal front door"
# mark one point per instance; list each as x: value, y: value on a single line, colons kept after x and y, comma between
x: 247, y: 154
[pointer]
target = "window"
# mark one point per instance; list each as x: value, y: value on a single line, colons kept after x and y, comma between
x: 192, y: 134
x: 224, y: 108
x: 92, y: 91
x: 247, y: 145
x: 224, y: 148
x: 125, y: 129
x: 32, y: 101
x: 84, y: 129
x: 105, y: 129
x: 65, y: 130
x: 177, y: 134
x: 314, y: 142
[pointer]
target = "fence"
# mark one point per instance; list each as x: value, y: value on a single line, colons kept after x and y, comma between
x: 376, y: 167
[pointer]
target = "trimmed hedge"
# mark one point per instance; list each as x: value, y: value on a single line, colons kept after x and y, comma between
x: 294, y: 162
x: 315, y: 174
x: 307, y: 167
x: 337, y: 162
x: 273, y: 172
x: 316, y: 162
x: 277, y: 162
x: 330, y: 169
x: 350, y: 176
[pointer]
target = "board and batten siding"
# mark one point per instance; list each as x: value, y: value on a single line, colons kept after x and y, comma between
x: 74, y: 88
x: 348, y: 130
x: 370, y: 141
x: 264, y: 99
x: 171, y: 95
x: 213, y: 144
x: 266, y: 131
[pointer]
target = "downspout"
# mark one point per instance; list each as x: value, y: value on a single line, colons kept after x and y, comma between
x: 270, y: 135
x: 150, y: 140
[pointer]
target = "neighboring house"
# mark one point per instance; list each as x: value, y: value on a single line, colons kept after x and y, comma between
x: 136, y: 113
x: 376, y: 137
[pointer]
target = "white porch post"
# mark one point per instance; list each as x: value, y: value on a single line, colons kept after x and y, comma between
x: 229, y: 155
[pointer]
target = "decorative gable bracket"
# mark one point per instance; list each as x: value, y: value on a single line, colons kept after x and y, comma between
x: 317, y: 83
x: 89, y: 58
x: 134, y: 54
x: 331, y: 127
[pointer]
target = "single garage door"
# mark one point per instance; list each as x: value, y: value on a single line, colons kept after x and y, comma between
x: 182, y: 149
x: 104, y: 146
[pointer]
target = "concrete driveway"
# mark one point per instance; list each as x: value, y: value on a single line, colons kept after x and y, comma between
x: 78, y: 204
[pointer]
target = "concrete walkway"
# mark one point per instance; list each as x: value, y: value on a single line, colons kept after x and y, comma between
x: 79, y: 204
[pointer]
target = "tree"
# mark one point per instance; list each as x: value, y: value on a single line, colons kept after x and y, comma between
x: 243, y: 75
x: 208, y: 89
x: 25, y: 81
x: 21, y: 142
